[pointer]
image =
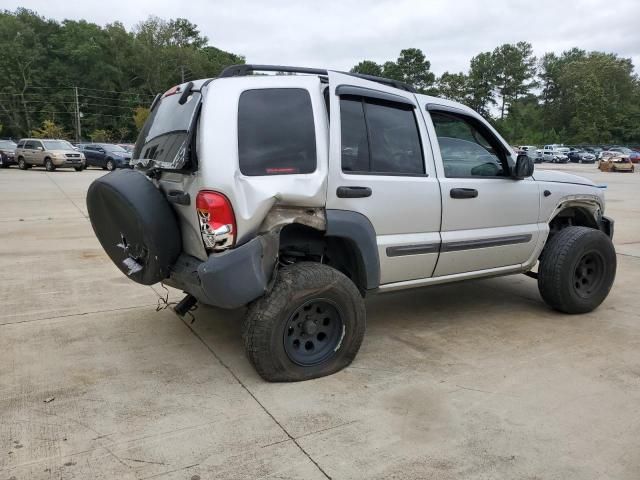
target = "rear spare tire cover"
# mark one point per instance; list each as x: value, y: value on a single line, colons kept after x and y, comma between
x: 135, y: 224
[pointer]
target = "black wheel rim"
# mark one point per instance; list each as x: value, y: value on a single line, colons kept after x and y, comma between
x: 589, y: 274
x: 313, y: 332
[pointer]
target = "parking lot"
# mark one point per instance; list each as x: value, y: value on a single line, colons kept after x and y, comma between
x: 475, y: 380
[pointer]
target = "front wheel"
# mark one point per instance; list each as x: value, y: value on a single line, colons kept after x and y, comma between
x: 577, y: 269
x: 111, y: 166
x: 310, y: 324
x: 48, y: 165
x: 22, y: 164
x: 78, y: 169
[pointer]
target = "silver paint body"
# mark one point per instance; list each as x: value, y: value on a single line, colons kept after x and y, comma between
x: 404, y: 210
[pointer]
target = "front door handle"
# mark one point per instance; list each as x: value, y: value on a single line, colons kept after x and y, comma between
x: 463, y: 193
x: 353, y: 192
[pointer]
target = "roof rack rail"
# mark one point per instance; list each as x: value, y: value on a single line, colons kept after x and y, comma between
x: 246, y: 69
x: 385, y: 81
x: 242, y: 70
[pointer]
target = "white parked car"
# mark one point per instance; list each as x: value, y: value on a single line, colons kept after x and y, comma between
x: 555, y: 153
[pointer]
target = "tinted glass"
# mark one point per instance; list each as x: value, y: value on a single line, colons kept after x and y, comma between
x: 388, y: 140
x: 355, y: 148
x: 394, y: 141
x: 164, y: 136
x: 465, y: 151
x: 57, y: 145
x: 30, y: 144
x: 21, y: 144
x: 276, y: 133
x: 113, y: 148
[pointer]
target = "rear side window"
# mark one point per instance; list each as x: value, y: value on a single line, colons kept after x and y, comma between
x: 276, y: 133
x: 379, y: 137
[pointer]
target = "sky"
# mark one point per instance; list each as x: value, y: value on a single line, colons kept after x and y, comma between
x: 339, y: 34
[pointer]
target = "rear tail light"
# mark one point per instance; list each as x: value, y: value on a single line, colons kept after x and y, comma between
x: 217, y: 220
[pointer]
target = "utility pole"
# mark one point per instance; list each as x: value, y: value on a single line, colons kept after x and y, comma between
x: 78, y: 131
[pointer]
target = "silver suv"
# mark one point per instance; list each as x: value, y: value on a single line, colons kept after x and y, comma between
x: 48, y: 153
x: 298, y: 195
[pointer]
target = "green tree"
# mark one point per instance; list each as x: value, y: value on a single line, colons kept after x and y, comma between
x: 49, y: 129
x: 454, y: 86
x: 481, y: 82
x: 140, y: 115
x: 514, y: 68
x: 368, y: 67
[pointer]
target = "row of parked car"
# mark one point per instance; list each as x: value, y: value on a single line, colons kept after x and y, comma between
x: 555, y: 153
x: 55, y: 153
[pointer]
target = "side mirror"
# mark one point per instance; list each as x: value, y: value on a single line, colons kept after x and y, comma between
x: 101, y: 150
x: 524, y: 167
x: 40, y: 149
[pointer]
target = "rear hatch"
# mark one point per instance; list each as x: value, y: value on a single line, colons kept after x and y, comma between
x: 166, y: 149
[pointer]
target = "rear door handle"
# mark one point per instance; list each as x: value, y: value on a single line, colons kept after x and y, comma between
x: 463, y: 193
x: 353, y: 192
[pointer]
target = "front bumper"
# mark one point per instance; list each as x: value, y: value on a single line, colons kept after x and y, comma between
x: 230, y: 279
x: 606, y: 226
x: 68, y: 162
x: 6, y: 159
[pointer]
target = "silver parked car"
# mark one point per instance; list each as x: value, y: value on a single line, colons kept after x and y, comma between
x: 298, y: 195
x: 48, y: 153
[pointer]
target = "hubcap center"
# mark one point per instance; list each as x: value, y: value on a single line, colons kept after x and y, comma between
x: 309, y: 327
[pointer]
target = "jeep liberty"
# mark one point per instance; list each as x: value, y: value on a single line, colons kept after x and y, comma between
x: 298, y: 195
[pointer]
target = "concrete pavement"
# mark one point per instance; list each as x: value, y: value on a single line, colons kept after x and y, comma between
x: 476, y: 380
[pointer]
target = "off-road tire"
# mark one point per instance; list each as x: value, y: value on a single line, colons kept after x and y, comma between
x: 48, y: 165
x: 559, y: 280
x: 268, y: 317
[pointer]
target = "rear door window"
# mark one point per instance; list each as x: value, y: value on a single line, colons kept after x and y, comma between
x: 379, y: 137
x: 276, y: 132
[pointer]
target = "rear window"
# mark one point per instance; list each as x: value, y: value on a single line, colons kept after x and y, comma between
x: 163, y: 139
x: 276, y: 134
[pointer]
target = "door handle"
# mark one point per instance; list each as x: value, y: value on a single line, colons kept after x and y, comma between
x: 463, y: 193
x: 353, y: 192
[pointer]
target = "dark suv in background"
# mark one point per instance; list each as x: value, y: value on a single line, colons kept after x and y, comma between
x: 105, y: 155
x: 7, y: 153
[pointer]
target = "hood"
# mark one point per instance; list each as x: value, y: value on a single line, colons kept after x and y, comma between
x: 560, y: 177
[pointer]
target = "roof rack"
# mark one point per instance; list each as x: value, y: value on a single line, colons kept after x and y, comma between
x: 247, y: 69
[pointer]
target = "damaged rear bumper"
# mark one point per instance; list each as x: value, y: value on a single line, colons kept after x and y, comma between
x: 229, y: 279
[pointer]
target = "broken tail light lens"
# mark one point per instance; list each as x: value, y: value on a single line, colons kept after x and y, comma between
x: 217, y: 220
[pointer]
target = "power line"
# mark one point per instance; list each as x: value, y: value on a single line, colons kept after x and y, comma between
x: 94, y: 89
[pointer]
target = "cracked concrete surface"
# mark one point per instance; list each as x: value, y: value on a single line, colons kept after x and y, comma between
x: 476, y: 380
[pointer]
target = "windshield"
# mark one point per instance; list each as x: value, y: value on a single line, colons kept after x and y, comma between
x: 164, y: 136
x: 114, y: 148
x: 57, y: 145
x: 7, y: 144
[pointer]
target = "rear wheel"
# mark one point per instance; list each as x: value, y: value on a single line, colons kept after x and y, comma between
x: 48, y: 165
x: 577, y: 270
x: 310, y: 325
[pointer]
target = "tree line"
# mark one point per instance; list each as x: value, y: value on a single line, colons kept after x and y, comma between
x: 114, y: 72
x: 577, y: 97
x: 52, y: 72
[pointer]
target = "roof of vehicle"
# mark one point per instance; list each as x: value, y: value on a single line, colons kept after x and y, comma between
x: 45, y: 139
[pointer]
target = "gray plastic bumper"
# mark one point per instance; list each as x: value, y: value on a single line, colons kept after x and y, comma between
x: 229, y: 279
x: 606, y: 225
